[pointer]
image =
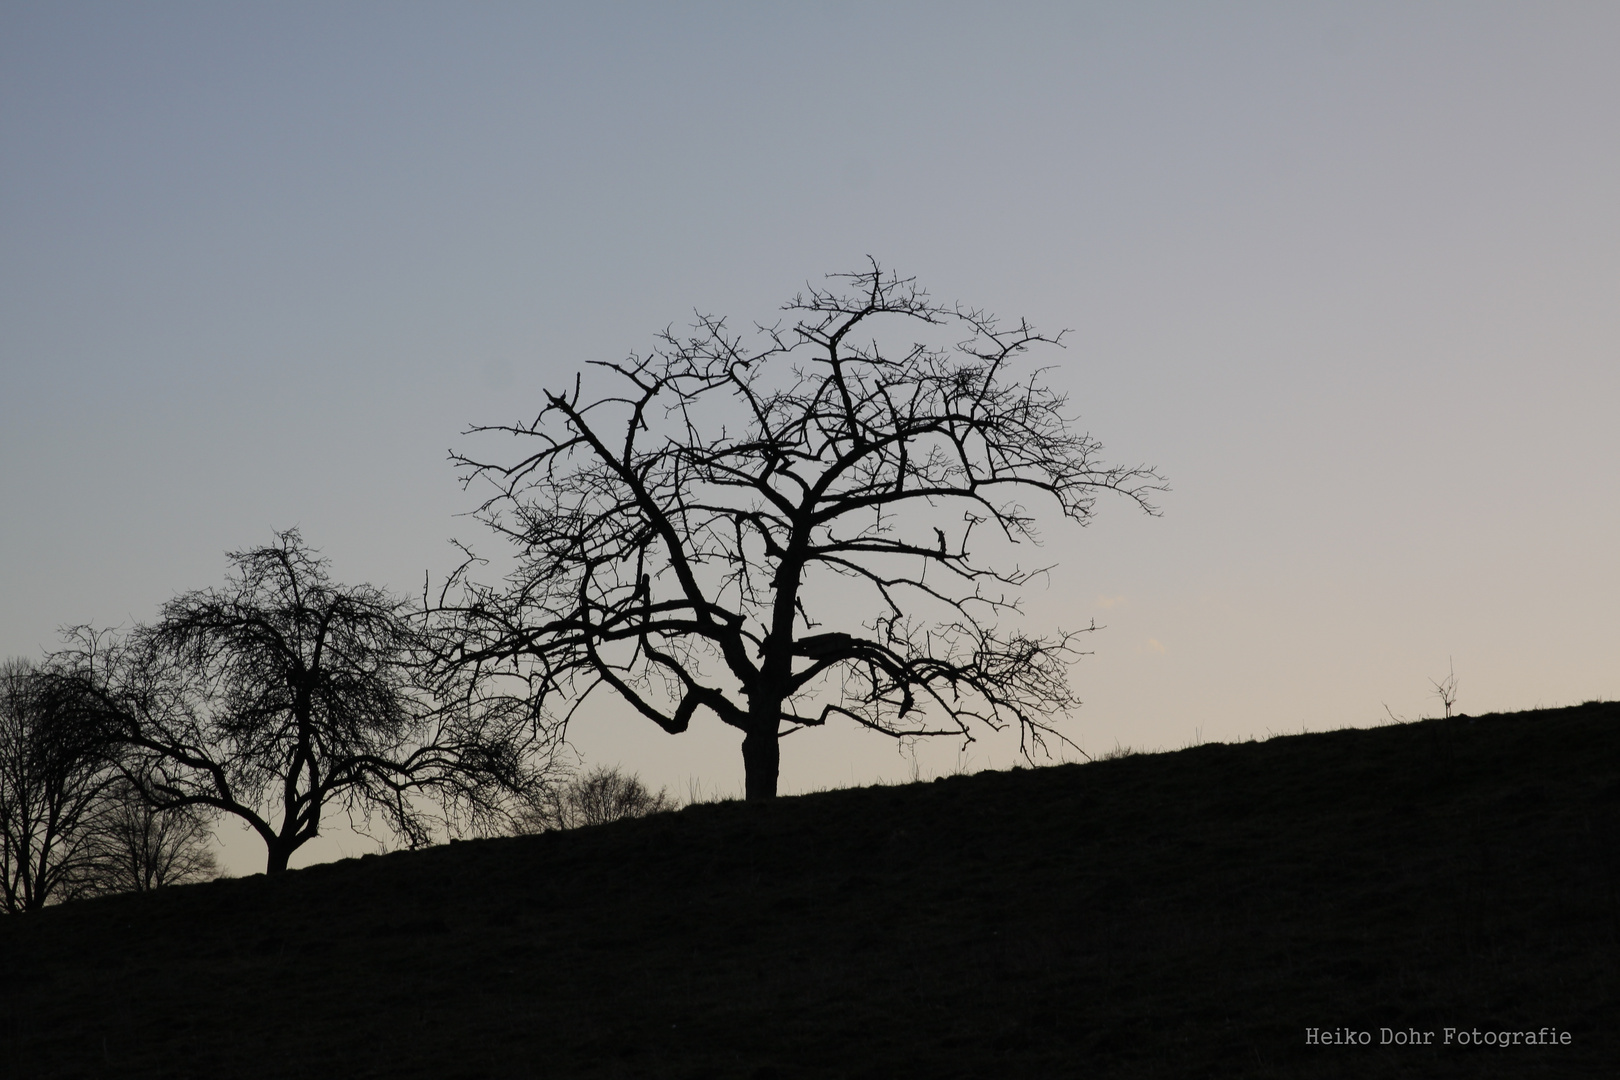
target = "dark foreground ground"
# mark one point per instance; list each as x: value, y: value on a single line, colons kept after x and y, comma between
x: 1178, y: 915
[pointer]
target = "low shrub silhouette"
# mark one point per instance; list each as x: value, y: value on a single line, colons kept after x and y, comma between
x: 139, y: 847
x: 602, y: 795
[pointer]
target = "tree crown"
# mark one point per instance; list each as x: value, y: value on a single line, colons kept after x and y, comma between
x: 698, y: 538
x: 284, y: 694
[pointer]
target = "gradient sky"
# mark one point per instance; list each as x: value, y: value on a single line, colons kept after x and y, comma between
x: 1348, y: 274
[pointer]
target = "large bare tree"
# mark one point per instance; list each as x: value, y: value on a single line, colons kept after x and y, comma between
x: 285, y: 696
x: 795, y: 532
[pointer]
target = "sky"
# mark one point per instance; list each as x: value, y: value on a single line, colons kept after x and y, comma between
x: 1347, y: 274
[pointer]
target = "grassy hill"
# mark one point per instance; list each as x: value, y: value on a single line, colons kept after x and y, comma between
x: 1173, y: 915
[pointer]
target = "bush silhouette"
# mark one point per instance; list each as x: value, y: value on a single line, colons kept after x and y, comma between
x: 139, y: 847
x: 602, y: 795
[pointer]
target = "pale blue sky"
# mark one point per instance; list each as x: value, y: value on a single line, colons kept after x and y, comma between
x: 1349, y: 274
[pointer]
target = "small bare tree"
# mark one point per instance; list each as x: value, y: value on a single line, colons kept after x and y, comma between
x: 1446, y: 689
x: 57, y: 770
x: 286, y: 695
x: 786, y: 535
x: 139, y: 847
x: 602, y: 795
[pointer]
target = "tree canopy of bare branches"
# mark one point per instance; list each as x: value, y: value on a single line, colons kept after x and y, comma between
x: 56, y: 772
x: 139, y: 847
x: 286, y: 695
x: 796, y: 532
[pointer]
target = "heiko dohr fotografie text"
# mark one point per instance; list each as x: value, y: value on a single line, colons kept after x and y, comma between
x: 1449, y: 1036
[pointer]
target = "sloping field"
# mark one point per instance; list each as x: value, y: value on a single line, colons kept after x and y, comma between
x: 1174, y: 915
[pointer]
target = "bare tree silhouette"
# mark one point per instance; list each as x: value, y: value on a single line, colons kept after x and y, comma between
x: 56, y: 772
x: 138, y: 847
x: 602, y: 795
x: 285, y: 694
x: 791, y: 534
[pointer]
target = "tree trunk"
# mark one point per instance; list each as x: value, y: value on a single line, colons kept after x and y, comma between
x: 762, y: 754
x: 278, y: 859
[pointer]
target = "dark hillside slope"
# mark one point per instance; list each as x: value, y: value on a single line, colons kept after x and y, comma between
x: 1175, y: 915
